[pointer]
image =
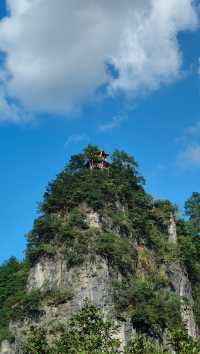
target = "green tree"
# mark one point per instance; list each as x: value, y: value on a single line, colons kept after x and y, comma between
x: 13, y: 275
x: 78, y: 162
x: 88, y: 333
x: 192, y: 209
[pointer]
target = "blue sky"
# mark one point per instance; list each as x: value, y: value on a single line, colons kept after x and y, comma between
x: 152, y: 112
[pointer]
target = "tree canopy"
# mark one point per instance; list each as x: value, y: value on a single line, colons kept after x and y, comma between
x: 192, y: 209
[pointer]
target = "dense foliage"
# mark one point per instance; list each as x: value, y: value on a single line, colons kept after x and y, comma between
x: 88, y: 332
x: 151, y: 306
x: 13, y: 275
x: 77, y: 184
x: 192, y: 209
x: 117, y: 194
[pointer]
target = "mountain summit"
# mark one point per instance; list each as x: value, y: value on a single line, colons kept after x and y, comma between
x: 108, y: 268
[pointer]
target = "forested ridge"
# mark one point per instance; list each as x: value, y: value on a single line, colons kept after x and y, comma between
x: 133, y: 239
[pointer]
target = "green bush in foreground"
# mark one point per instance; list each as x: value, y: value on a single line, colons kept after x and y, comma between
x: 89, y: 333
x: 36, y: 342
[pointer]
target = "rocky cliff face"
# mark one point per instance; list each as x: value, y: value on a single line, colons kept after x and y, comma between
x: 182, y: 286
x: 93, y: 281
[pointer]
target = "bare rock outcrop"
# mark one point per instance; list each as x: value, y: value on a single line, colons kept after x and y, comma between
x: 182, y: 285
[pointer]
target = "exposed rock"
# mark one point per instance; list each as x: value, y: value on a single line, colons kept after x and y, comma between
x: 93, y: 219
x: 89, y: 278
x: 182, y: 286
x: 7, y: 348
x: 125, y: 332
x: 91, y: 281
x: 172, y: 230
x: 120, y: 206
x: 46, y: 273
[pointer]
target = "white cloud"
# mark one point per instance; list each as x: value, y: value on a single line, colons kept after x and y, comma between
x: 194, y: 130
x: 76, y: 139
x: 12, y: 112
x: 149, y: 53
x: 190, y: 133
x: 57, y: 50
x: 190, y: 156
x: 115, y: 122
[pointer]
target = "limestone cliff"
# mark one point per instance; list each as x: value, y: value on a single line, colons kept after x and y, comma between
x: 182, y: 286
x: 92, y: 281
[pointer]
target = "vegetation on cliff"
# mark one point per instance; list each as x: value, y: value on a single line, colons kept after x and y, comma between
x: 13, y: 276
x: 189, y: 247
x: 88, y: 332
x: 132, y: 237
x: 117, y: 195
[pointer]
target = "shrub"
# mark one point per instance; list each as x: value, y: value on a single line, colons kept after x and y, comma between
x: 143, y: 344
x: 152, y: 307
x: 27, y: 306
x: 183, y: 343
x: 57, y: 297
x: 77, y: 219
x: 119, y: 252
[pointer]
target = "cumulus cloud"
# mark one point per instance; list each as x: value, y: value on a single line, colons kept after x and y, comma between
x: 57, y: 52
x: 190, y: 133
x: 190, y: 156
x: 193, y: 130
x: 12, y: 112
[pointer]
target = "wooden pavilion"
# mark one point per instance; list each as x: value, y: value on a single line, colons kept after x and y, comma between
x: 98, y: 161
